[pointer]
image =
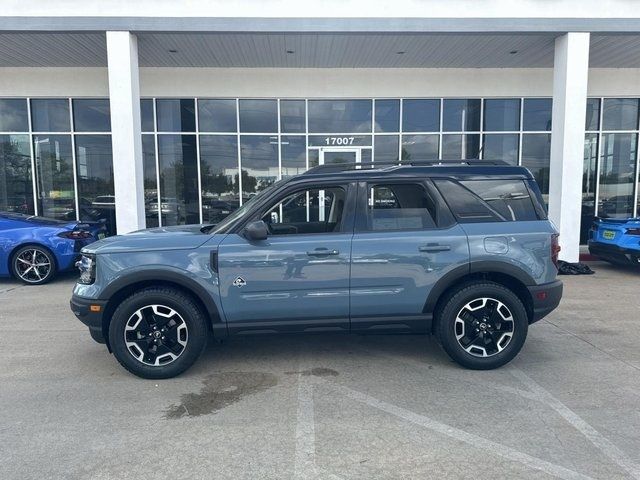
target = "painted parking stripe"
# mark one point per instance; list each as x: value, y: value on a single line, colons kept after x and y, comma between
x: 460, y: 435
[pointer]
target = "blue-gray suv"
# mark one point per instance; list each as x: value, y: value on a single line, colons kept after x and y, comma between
x: 462, y: 250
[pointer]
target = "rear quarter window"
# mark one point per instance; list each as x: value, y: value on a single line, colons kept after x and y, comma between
x: 488, y: 200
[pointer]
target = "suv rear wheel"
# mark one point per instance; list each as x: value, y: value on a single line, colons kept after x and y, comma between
x: 157, y: 332
x: 483, y: 325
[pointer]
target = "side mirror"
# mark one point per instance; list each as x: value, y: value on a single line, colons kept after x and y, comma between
x: 256, y: 231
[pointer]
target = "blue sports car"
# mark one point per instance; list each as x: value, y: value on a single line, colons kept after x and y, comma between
x: 33, y: 249
x: 616, y: 240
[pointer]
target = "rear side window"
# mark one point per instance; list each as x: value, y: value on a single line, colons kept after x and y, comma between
x: 488, y: 200
x: 399, y: 207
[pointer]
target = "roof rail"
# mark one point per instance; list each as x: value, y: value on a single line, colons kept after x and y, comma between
x: 343, y: 167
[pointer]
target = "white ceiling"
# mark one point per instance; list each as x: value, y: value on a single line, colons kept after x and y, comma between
x: 336, y: 50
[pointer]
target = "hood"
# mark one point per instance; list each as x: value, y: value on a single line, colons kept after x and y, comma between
x: 179, y: 237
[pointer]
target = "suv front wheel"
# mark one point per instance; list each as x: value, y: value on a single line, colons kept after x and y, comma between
x: 483, y: 325
x: 157, y: 332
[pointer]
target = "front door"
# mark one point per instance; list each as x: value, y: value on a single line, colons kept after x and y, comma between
x: 298, y: 278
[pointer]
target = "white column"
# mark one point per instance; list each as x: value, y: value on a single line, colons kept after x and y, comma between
x: 124, y: 96
x: 570, y: 74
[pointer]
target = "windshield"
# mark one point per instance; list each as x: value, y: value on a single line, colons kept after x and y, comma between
x: 242, y: 211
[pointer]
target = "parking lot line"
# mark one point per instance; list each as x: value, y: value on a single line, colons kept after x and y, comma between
x: 460, y: 435
x: 595, y: 437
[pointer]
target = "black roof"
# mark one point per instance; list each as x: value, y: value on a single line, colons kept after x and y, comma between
x: 438, y: 168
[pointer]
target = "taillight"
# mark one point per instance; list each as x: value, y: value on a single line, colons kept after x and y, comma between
x: 633, y: 231
x: 76, y: 234
x: 555, y: 248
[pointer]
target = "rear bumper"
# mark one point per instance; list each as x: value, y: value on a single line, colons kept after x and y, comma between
x: 546, y: 298
x: 614, y: 252
x: 81, y: 308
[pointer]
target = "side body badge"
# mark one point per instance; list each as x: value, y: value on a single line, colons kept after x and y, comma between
x: 239, y: 282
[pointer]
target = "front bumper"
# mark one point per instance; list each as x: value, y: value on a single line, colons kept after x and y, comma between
x: 614, y: 253
x: 89, y: 312
x: 546, y: 298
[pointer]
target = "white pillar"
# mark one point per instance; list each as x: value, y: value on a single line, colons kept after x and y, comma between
x: 570, y: 74
x: 124, y: 96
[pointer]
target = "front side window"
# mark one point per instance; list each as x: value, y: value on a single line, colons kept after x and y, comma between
x: 399, y: 207
x: 315, y: 210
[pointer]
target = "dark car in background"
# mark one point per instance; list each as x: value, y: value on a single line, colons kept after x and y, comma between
x: 33, y: 249
x: 214, y: 211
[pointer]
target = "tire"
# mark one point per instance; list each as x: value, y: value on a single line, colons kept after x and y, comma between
x: 180, y: 331
x: 33, y: 265
x: 490, y: 314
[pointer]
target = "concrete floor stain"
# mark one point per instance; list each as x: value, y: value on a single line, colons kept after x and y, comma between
x: 219, y: 391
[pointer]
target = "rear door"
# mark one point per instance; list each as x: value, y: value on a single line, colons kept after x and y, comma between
x: 405, y: 241
x: 298, y: 278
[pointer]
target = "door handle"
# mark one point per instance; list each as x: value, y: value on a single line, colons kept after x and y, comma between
x: 434, y: 247
x: 322, y: 252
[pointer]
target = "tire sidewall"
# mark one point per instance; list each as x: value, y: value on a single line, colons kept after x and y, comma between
x: 45, y: 251
x: 446, y: 325
x: 186, y: 308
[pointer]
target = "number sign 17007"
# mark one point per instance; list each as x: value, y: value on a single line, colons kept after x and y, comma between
x: 339, y: 140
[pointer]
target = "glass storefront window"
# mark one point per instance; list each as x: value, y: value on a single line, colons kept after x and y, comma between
x: 176, y: 115
x: 217, y: 115
x: 91, y: 115
x: 536, y: 156
x: 177, y: 159
x: 340, y: 116
x: 592, y: 121
x: 146, y: 115
x: 460, y: 146
x: 421, y: 115
x: 219, y: 170
x: 314, y: 157
x: 94, y: 165
x: 292, y: 116
x: 501, y: 146
x: 16, y: 187
x: 536, y: 114
x: 620, y: 114
x: 589, y: 177
x: 294, y: 159
x: 419, y: 147
x: 501, y: 114
x: 54, y: 176
x: 386, y: 148
x: 387, y: 116
x: 617, y: 175
x: 13, y: 115
x: 258, y: 116
x: 50, y: 115
x: 259, y: 155
x: 460, y: 115
x: 150, y: 180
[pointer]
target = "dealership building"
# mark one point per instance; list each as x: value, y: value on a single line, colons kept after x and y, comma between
x: 155, y: 113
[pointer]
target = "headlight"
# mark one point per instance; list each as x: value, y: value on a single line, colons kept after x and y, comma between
x: 87, y: 267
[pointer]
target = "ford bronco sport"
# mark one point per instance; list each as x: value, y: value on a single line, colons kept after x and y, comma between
x: 463, y: 250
